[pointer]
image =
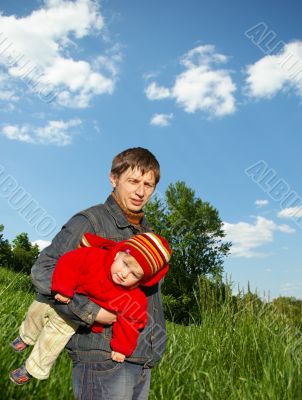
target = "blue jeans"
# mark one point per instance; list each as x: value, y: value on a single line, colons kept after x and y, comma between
x: 109, y: 380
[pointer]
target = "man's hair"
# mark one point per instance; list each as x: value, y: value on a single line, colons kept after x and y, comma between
x: 138, y: 157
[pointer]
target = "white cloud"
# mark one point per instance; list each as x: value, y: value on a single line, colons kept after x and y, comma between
x: 150, y: 75
x: 261, y: 203
x: 291, y: 212
x: 110, y: 61
x: 41, y: 244
x: 38, y: 52
x: 96, y: 126
x: 7, y: 93
x: 14, y: 132
x: 291, y: 289
x: 55, y: 132
x: 247, y: 237
x: 156, y: 92
x: 8, y: 107
x: 161, y: 119
x: 275, y: 72
x: 285, y: 228
x: 200, y: 87
x: 202, y: 55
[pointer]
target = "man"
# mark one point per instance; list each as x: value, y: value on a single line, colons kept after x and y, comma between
x: 134, y: 175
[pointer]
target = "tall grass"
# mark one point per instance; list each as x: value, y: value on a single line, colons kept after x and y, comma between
x: 247, y: 352
x: 247, y: 356
x: 16, y: 294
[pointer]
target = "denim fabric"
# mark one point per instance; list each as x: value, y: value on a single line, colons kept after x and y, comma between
x: 109, y: 380
x: 106, y: 220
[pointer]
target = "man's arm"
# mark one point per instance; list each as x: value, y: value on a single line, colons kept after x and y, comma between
x: 80, y: 310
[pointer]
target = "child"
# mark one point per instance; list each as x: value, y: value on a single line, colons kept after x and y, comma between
x: 110, y: 274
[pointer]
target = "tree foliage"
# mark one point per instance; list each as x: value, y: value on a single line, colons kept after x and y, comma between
x: 20, y: 255
x: 5, y: 250
x: 24, y: 253
x: 195, y: 233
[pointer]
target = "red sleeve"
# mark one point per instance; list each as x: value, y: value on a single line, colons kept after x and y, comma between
x: 67, y: 272
x: 130, y: 321
x: 91, y: 240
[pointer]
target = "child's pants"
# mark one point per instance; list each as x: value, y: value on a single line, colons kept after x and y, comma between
x: 49, y: 333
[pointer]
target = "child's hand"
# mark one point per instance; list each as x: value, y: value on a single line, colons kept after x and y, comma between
x: 61, y: 298
x: 105, y: 317
x: 118, y: 357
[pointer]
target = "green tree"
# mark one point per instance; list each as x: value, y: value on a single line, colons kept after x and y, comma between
x: 5, y: 250
x: 195, y: 233
x: 24, y: 253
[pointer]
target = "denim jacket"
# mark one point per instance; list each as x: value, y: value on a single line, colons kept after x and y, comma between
x: 109, y: 221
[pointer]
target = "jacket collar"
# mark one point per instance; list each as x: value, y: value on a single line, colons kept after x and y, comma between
x: 118, y: 215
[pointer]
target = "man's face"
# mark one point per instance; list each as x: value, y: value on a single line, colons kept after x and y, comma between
x: 133, y: 188
x: 125, y: 270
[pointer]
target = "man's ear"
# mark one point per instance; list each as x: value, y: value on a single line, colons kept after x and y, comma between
x: 113, y: 180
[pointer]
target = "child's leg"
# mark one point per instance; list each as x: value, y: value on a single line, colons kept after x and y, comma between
x: 52, y: 340
x: 34, y: 322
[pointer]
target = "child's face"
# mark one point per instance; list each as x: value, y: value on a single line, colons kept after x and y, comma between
x: 125, y: 270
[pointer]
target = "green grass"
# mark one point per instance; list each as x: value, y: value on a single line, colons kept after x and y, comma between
x: 251, y: 354
x: 16, y: 294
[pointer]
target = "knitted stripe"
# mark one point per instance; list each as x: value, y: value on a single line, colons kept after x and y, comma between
x: 160, y: 246
x: 148, y: 254
x: 152, y: 249
x: 84, y: 242
x: 143, y: 253
x: 149, y: 246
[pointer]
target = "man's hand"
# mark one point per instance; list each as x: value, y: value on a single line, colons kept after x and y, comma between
x: 105, y: 317
x: 62, y: 299
x: 118, y: 357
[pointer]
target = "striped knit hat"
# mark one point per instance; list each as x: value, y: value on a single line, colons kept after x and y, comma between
x: 150, y: 250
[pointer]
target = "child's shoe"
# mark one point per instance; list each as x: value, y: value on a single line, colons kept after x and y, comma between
x: 20, y: 376
x: 18, y: 345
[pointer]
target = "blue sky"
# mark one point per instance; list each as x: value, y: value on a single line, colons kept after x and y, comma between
x: 212, y: 88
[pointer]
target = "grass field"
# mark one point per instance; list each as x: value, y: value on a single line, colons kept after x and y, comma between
x: 253, y: 353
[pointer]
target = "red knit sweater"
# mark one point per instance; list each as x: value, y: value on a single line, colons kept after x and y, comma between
x: 87, y: 271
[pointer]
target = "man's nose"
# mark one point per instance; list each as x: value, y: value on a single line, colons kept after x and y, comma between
x: 140, y: 190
